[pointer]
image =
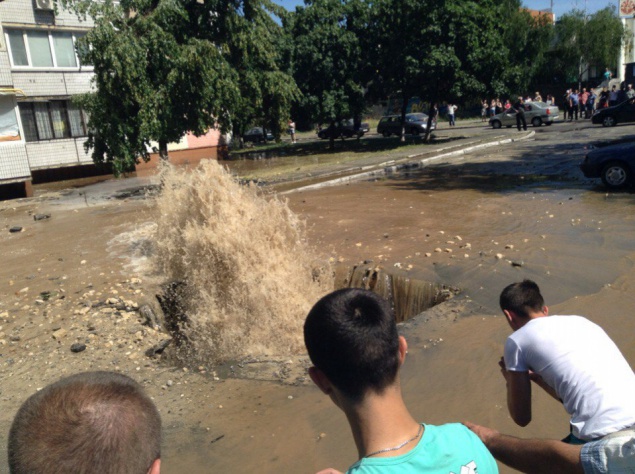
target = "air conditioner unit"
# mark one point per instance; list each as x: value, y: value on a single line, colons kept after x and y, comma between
x: 44, y: 5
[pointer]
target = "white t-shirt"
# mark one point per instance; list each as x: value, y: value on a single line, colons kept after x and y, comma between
x: 583, y: 365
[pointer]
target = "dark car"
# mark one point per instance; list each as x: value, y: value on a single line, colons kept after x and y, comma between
x: 255, y: 135
x: 344, y: 129
x: 611, y: 116
x: 416, y: 123
x: 615, y: 164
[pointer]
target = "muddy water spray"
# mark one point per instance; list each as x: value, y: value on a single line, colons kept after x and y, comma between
x: 250, y: 274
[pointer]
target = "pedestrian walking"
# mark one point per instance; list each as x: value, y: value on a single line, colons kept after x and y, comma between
x: 292, y: 130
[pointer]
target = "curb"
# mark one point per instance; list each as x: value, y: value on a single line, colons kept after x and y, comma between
x: 410, y: 165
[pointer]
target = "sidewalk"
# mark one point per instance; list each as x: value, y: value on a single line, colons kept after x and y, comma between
x: 380, y: 166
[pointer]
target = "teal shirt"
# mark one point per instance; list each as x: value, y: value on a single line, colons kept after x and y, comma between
x: 445, y: 449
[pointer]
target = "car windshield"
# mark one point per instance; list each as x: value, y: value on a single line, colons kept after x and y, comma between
x: 419, y: 117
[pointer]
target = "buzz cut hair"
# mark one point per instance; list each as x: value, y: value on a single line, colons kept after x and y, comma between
x: 351, y: 336
x: 522, y: 298
x: 86, y: 423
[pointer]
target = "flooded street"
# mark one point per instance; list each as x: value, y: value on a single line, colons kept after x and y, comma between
x: 477, y: 222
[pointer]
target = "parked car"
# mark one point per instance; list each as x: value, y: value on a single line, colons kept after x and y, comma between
x: 614, y: 164
x: 536, y: 113
x: 255, y: 135
x: 416, y: 123
x: 611, y: 116
x: 344, y: 129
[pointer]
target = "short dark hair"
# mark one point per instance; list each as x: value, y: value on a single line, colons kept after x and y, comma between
x: 88, y: 422
x: 351, y: 335
x: 522, y: 298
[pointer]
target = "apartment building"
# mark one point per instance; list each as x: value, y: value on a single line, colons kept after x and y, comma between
x: 42, y: 133
x: 40, y: 128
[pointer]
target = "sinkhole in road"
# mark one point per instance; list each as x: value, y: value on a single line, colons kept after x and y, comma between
x: 408, y: 296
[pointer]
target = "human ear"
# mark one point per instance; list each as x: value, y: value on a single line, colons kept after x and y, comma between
x: 403, y: 349
x: 320, y: 379
x: 156, y: 467
x: 511, y: 318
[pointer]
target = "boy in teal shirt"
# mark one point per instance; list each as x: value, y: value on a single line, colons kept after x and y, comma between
x: 352, y: 340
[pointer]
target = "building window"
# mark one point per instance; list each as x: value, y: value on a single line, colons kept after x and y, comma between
x: 43, y: 49
x: 9, y: 129
x: 52, y: 120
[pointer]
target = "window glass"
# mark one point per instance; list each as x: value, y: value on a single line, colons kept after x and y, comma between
x: 81, y: 48
x: 43, y: 120
x: 64, y: 49
x: 28, y: 121
x: 40, y: 48
x: 75, y: 119
x: 9, y: 129
x: 58, y: 116
x: 17, y: 48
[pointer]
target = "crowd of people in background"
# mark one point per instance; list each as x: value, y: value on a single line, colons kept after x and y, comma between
x: 496, y: 106
x: 575, y: 104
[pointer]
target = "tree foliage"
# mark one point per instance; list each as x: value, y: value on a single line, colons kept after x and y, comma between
x: 167, y: 67
x: 528, y: 41
x: 586, y: 40
x: 259, y: 52
x: 328, y: 60
x: 440, y: 49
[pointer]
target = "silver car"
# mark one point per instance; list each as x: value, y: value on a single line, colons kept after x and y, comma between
x: 536, y: 113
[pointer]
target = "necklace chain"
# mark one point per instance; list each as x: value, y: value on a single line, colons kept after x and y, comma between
x: 399, y: 446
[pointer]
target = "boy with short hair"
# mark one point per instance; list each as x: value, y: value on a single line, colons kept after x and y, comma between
x: 352, y: 339
x: 572, y: 359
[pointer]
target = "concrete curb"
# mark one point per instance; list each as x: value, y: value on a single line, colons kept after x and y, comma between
x: 385, y: 169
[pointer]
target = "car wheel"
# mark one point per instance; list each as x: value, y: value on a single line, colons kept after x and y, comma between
x: 385, y: 134
x: 536, y: 122
x: 609, y: 121
x: 496, y: 124
x: 615, y: 175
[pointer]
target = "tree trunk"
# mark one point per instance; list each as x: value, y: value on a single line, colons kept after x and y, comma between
x: 404, y: 107
x: 332, y: 136
x: 432, y: 111
x: 163, y: 150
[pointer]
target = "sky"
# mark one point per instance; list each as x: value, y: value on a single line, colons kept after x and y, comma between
x: 559, y: 6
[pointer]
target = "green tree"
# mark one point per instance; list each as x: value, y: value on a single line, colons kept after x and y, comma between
x: 439, y: 49
x: 583, y: 40
x: 528, y: 41
x: 328, y: 59
x: 259, y: 52
x: 167, y: 67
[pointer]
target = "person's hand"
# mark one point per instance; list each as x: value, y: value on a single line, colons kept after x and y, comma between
x: 501, y: 364
x: 537, y: 378
x: 329, y: 470
x: 484, y: 433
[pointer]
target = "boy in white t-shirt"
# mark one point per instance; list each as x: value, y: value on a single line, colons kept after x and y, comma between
x: 572, y: 359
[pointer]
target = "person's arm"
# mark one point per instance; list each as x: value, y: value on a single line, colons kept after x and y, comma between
x: 518, y: 394
x: 538, y: 380
x: 530, y: 455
